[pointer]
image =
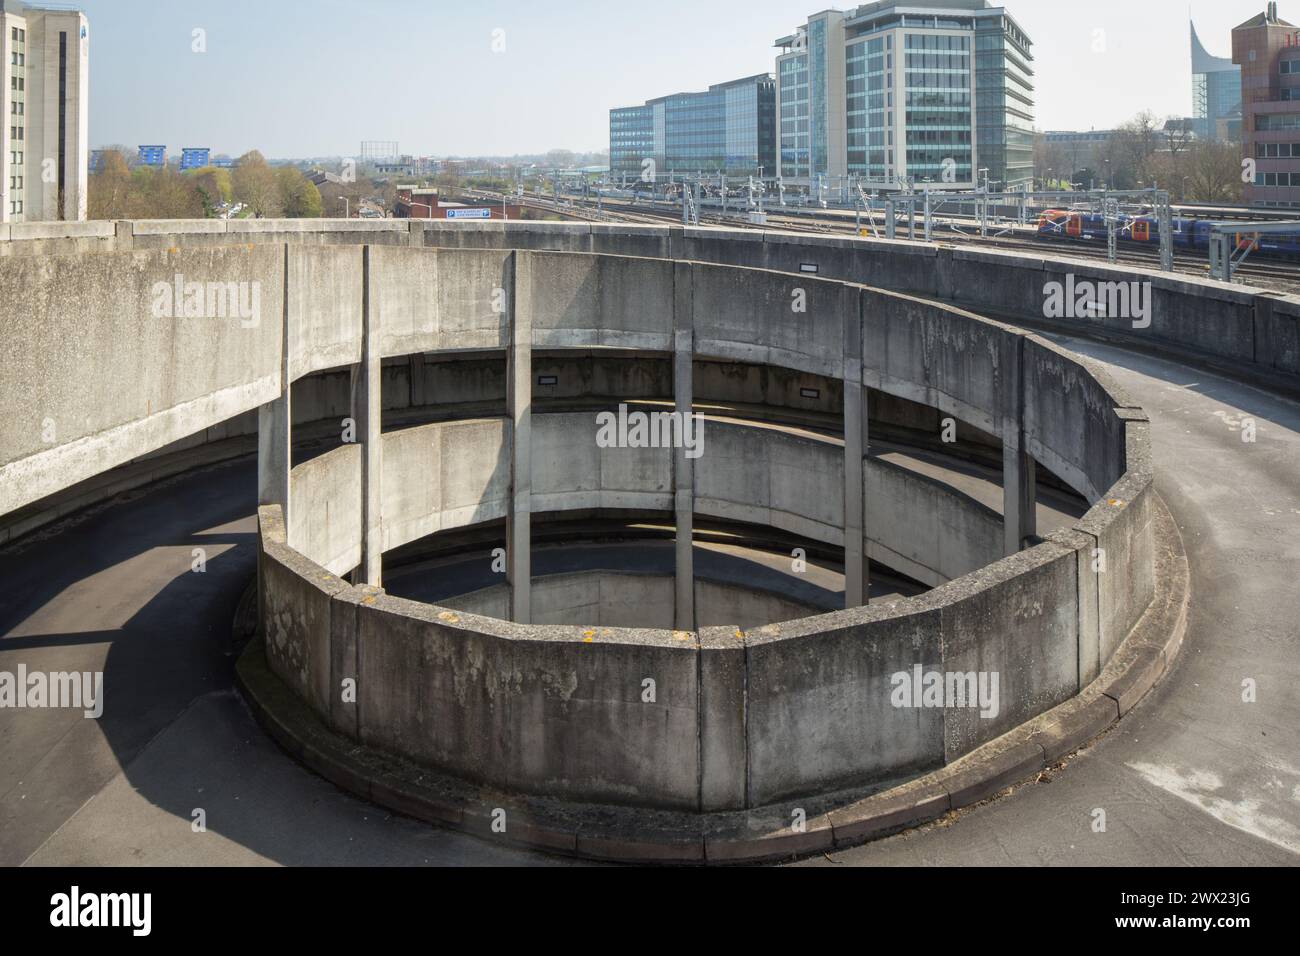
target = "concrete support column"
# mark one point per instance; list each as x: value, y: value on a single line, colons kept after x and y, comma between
x: 367, y: 410
x: 275, y: 424
x: 519, y: 399
x: 417, y: 379
x: 857, y: 573
x: 274, y: 443
x: 684, y: 467
x: 123, y: 235
x: 1019, y: 470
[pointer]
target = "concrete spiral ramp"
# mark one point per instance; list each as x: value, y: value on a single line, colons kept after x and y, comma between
x: 1194, y: 774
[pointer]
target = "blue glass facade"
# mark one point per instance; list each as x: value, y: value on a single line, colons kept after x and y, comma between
x: 729, y: 128
x: 817, y: 90
x: 631, y: 139
x: 1004, y: 102
x: 796, y: 134
x: 939, y: 108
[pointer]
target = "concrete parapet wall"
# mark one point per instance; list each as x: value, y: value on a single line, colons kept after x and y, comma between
x: 771, y: 477
x: 103, y: 363
x: 924, y: 528
x: 443, y: 476
x: 325, y: 524
x: 622, y: 599
x: 808, y: 706
x: 297, y: 606
x: 793, y: 322
x: 600, y: 302
x: 1071, y: 422
x: 536, y: 709
x: 572, y: 473
x: 448, y: 475
x: 937, y: 356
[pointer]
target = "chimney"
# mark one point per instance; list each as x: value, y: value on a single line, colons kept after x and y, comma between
x: 1272, y: 11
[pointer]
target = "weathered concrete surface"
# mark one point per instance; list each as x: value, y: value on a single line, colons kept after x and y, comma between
x: 537, y: 710
x: 297, y: 604
x: 325, y: 520
x: 600, y: 302
x: 85, y: 396
x: 324, y: 308
x: 571, y: 472
x: 628, y: 599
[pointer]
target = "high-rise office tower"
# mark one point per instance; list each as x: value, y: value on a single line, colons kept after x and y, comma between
x: 44, y: 95
x: 928, y: 90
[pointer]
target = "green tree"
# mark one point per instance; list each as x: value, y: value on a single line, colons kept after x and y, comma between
x: 299, y: 198
x: 215, y: 186
x: 255, y: 185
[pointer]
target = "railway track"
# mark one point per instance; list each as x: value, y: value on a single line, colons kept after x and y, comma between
x: 1274, y: 275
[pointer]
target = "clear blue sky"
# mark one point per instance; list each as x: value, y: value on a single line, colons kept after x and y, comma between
x: 315, y: 77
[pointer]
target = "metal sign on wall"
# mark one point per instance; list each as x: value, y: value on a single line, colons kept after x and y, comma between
x: 469, y: 213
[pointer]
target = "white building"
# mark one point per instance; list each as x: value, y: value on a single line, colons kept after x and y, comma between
x: 933, y: 91
x: 44, y: 97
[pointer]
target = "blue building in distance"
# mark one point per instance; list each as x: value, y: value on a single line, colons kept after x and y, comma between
x: 728, y: 128
x: 155, y: 156
x: 195, y: 157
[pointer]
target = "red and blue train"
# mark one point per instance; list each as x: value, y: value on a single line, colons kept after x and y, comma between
x: 1187, y: 233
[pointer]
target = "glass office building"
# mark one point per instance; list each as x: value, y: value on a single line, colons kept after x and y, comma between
x: 926, y: 90
x: 1004, y: 106
x: 631, y: 138
x: 796, y: 155
x: 1216, y: 94
x: 729, y: 128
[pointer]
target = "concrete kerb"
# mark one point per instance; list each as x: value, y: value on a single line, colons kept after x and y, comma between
x: 764, y: 834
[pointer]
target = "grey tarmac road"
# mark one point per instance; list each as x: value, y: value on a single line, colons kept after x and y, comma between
x: 1194, y: 776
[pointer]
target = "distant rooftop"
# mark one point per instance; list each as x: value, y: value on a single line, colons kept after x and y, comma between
x: 1268, y: 18
x: 881, y: 8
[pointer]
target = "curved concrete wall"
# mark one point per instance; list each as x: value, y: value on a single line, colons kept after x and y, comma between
x: 620, y: 599
x: 805, y: 705
x: 93, y: 432
x: 1242, y: 327
x: 450, y: 475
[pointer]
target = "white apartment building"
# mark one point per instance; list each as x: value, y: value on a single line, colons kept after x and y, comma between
x: 44, y: 99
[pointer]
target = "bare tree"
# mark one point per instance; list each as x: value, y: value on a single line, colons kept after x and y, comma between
x: 1214, y: 172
